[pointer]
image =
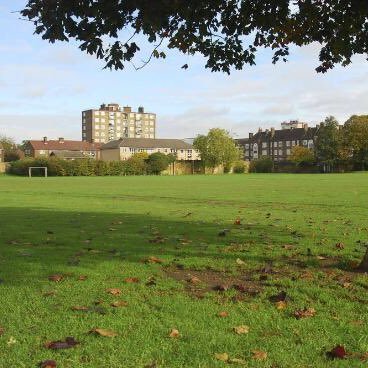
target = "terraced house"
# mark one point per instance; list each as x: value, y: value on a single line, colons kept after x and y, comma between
x: 277, y: 143
x: 124, y: 148
x: 111, y: 122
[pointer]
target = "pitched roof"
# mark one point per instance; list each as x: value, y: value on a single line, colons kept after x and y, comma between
x: 147, y: 143
x: 68, y: 154
x: 65, y: 145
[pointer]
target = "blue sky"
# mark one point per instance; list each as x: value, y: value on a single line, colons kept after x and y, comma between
x: 44, y: 88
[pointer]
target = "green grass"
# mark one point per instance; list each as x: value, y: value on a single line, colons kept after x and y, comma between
x: 100, y: 227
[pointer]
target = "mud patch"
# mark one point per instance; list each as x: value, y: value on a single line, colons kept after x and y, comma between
x: 199, y: 282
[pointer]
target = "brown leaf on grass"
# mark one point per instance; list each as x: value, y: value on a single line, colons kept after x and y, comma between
x: 194, y: 280
x: 304, y: 313
x: 346, y: 285
x: 131, y: 280
x: 2, y: 330
x: 338, y: 352
x: 223, y: 357
x: 174, y: 333
x: 259, y: 355
x: 56, y: 277
x: 119, y: 303
x: 154, y: 259
x: 280, y: 297
x: 103, y: 332
x: 79, y: 308
x: 68, y: 343
x: 281, y: 305
x: 82, y: 278
x: 321, y: 258
x: 288, y: 246
x: 113, y: 291
x: 241, y: 330
x: 223, y: 314
x: 340, y: 245
x: 237, y: 221
x: 48, y: 364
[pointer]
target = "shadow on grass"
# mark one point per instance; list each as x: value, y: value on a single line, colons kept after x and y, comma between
x: 34, y: 241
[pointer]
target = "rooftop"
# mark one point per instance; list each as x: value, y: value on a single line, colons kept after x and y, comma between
x: 147, y: 143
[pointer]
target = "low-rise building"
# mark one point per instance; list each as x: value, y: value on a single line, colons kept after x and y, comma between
x: 277, y: 143
x: 67, y: 149
x: 123, y: 148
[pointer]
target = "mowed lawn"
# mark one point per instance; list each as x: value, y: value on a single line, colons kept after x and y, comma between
x: 298, y: 234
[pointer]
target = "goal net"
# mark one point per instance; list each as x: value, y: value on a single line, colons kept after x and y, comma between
x: 39, y: 169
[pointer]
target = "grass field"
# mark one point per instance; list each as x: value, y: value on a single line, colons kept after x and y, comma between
x: 301, y: 234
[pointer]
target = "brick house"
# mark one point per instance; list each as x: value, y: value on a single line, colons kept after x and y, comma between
x: 66, y: 149
x: 277, y: 144
x: 123, y: 148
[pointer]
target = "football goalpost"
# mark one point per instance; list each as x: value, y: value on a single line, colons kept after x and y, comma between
x: 37, y: 167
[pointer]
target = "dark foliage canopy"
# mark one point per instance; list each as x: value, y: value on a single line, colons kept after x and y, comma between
x: 228, y: 33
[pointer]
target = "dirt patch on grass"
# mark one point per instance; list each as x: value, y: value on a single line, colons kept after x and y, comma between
x: 199, y: 282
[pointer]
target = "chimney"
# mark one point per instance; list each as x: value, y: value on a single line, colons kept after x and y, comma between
x: 272, y: 132
x: 127, y: 109
x: 305, y: 127
x: 141, y: 109
x: 250, y: 135
x: 61, y: 140
x: 259, y: 130
x: 44, y: 139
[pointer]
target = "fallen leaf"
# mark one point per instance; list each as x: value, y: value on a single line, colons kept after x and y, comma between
x: 103, y: 332
x: 338, y: 352
x: 174, y: 333
x: 79, y: 308
x: 131, y: 280
x: 48, y: 364
x: 153, y: 259
x: 304, y: 313
x: 223, y: 357
x: 281, y: 305
x: 56, y: 278
x: 82, y: 278
x: 67, y: 344
x: 237, y: 222
x: 119, y: 303
x: 321, y: 258
x: 223, y: 314
x: 11, y: 341
x: 288, y: 246
x: 346, y: 285
x: 194, y: 280
x: 340, y: 246
x: 259, y: 355
x: 240, y: 330
x: 114, y: 291
x: 280, y: 297
x: 240, y: 262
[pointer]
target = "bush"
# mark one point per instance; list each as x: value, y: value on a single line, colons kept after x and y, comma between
x: 262, y: 165
x: 240, y: 167
x: 157, y: 162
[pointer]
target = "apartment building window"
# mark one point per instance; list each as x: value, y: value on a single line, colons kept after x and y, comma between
x: 102, y: 134
x: 118, y: 128
x: 152, y: 123
x: 83, y: 127
x: 293, y: 143
x: 103, y: 126
x: 131, y: 128
x: 247, y: 146
x: 275, y: 144
x: 310, y: 144
x: 288, y: 143
x: 264, y: 152
x: 264, y: 145
x: 280, y: 152
x: 97, y: 120
x: 83, y: 113
x: 97, y: 113
x: 152, y: 136
x: 305, y: 142
x: 288, y: 152
x: 102, y: 113
x: 118, y: 114
x: 275, y: 152
x: 84, y: 135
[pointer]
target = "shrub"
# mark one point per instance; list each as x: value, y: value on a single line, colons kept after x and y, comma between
x: 240, y: 167
x: 261, y: 165
x: 157, y: 162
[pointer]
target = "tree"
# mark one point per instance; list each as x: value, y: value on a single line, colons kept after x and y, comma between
x: 136, y: 165
x: 158, y: 162
x: 356, y: 139
x: 329, y: 143
x: 228, y: 33
x: 262, y: 165
x: 10, y: 149
x: 301, y: 155
x: 217, y: 148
